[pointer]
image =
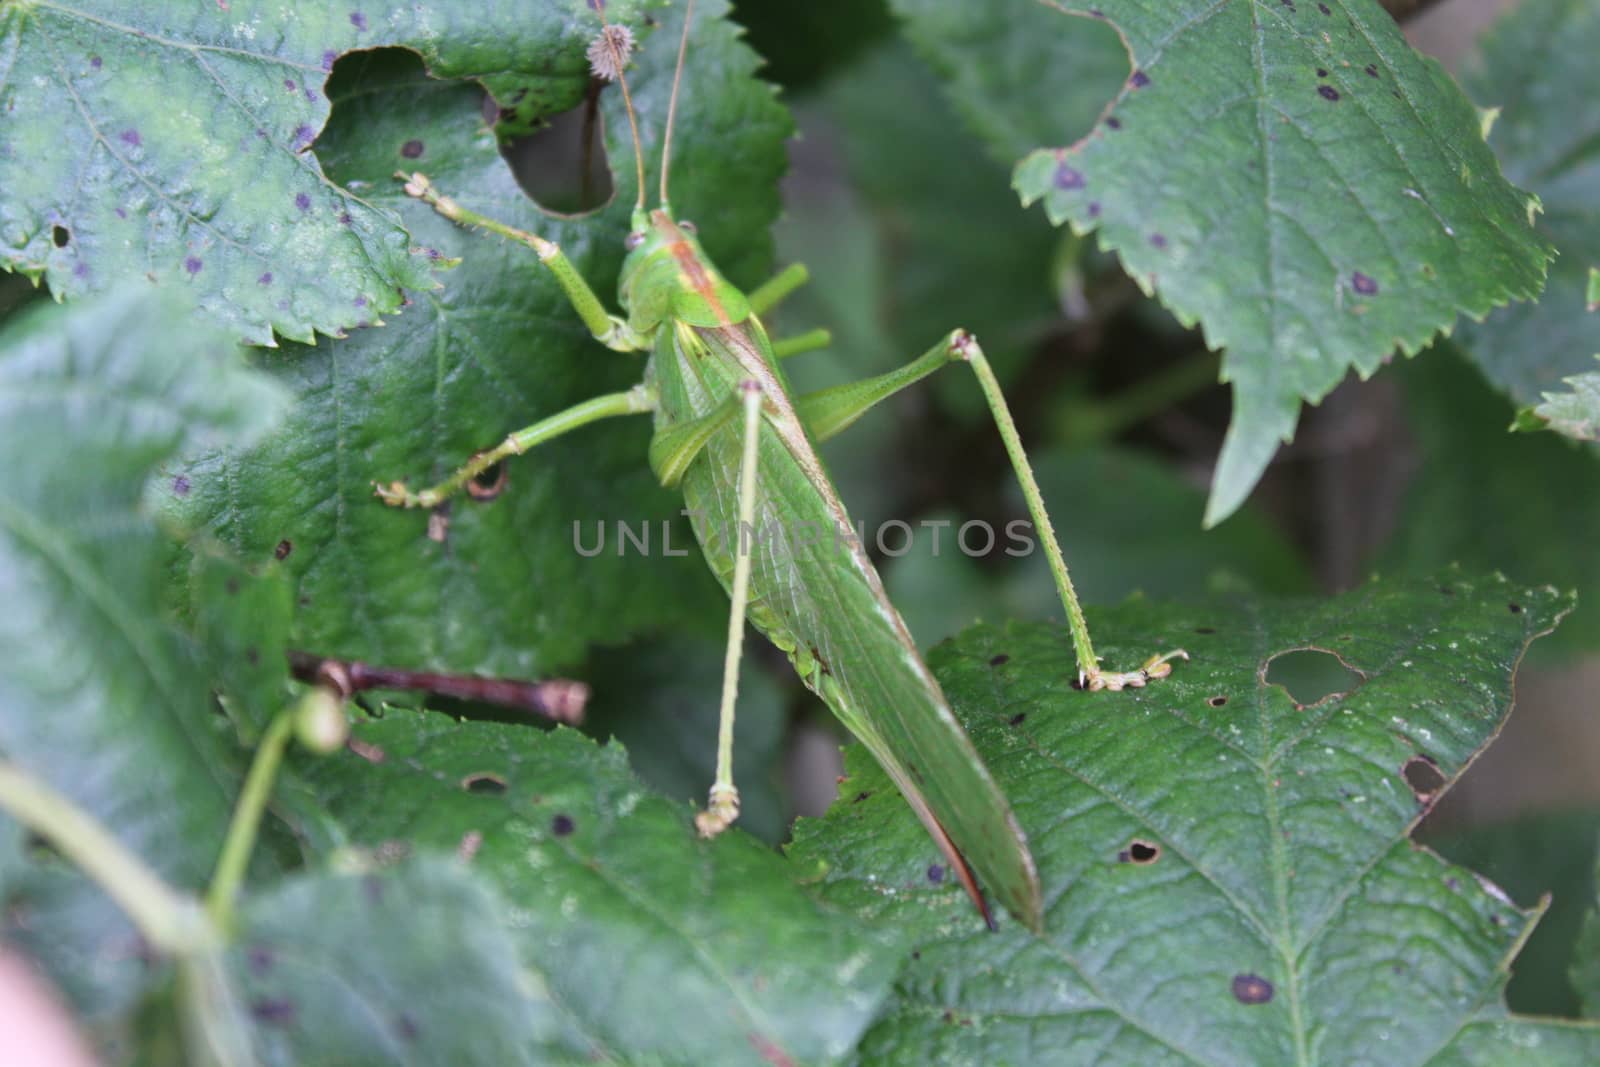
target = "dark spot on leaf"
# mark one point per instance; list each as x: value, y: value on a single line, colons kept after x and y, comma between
x: 1321, y: 73
x: 1327, y: 92
x: 1422, y: 774
x: 406, y: 1027
x: 232, y: 586
x: 290, y: 85
x: 1324, y: 9
x: 1068, y: 177
x: 1447, y: 591
x: 998, y: 660
x: 60, y: 235
x: 274, y: 1011
x: 1453, y: 884
x: 1113, y: 122
x: 484, y: 782
x: 180, y: 485
x: 358, y: 20
x: 130, y: 137
x: 1217, y: 701
x: 193, y: 264
x: 1372, y: 70
x: 1139, y: 80
x: 859, y: 797
x: 935, y: 873
x: 261, y: 959
x: 302, y: 201
x: 1251, y: 989
x: 1158, y: 240
x: 1363, y: 284
x: 412, y: 149
x: 1496, y: 920
x: 562, y: 825
x: 344, y: 218
x: 252, y: 655
x: 1140, y: 852
x: 372, y: 886
x: 1205, y: 629
x: 1018, y: 718
x: 1515, y: 608
x: 283, y: 549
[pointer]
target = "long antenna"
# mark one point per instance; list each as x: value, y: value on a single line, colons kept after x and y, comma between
x: 608, y: 55
x: 672, y: 106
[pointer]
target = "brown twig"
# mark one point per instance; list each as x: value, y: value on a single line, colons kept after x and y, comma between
x: 557, y: 698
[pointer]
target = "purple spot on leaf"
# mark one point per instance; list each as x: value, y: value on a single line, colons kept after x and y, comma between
x: 130, y: 137
x: 121, y: 214
x: 80, y: 269
x: 1139, y: 80
x: 1363, y: 284
x: 193, y: 264
x: 1068, y: 178
x: 344, y: 218
x: 1159, y: 240
x: 303, y: 135
x: 180, y: 485
x: 327, y: 60
x: 361, y: 301
x: 302, y: 201
x: 1094, y: 209
x: 265, y: 279
x: 95, y: 62
x: 289, y: 85
x: 358, y: 20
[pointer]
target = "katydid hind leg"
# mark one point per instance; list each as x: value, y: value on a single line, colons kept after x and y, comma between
x: 723, y: 804
x: 830, y: 411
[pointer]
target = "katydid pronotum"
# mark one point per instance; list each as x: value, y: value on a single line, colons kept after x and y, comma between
x: 729, y: 434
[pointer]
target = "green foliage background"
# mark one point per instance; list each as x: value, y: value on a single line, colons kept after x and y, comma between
x: 1288, y: 183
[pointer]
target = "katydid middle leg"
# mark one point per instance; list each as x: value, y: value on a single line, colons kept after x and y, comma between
x: 635, y: 401
x: 829, y: 411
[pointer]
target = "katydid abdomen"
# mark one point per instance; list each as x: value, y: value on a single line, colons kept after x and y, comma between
x: 814, y: 593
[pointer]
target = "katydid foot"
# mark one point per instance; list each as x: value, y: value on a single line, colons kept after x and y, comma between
x: 1155, y: 667
x: 720, y: 813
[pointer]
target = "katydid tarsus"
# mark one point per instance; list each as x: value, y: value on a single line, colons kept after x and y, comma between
x: 729, y: 434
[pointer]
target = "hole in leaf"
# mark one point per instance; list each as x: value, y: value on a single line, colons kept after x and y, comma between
x: 1217, y: 701
x: 1311, y: 675
x: 484, y: 782
x: 60, y: 235
x: 489, y: 483
x: 563, y: 165
x: 1140, y: 852
x: 1424, y: 777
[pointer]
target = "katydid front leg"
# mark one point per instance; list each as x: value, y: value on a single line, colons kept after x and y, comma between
x: 830, y: 411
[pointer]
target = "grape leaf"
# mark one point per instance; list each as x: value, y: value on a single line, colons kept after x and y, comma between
x: 1228, y: 873
x: 318, y: 975
x: 1292, y: 177
x: 1534, y: 68
x: 508, y: 590
x: 131, y: 127
x: 99, y: 695
x: 662, y: 948
x: 1574, y: 413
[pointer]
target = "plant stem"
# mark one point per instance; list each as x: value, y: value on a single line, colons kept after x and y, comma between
x: 241, y: 839
x: 168, y: 919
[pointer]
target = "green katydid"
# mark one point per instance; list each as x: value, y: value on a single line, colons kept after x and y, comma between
x: 729, y: 434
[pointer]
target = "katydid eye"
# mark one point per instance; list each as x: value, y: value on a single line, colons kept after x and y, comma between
x: 632, y: 241
x: 688, y: 227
